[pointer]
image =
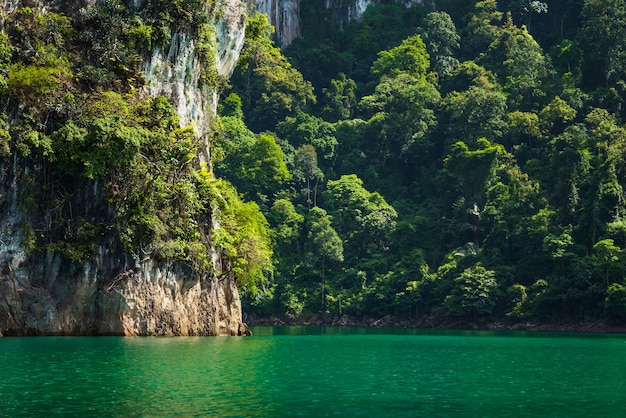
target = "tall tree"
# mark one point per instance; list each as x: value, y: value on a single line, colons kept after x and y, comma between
x: 483, y: 27
x: 364, y: 219
x: 442, y: 41
x: 323, y: 244
x: 527, y: 8
x: 263, y: 167
x: 306, y: 171
x: 402, y: 115
x: 520, y: 65
x: 339, y: 99
x: 607, y: 254
x: 474, y: 113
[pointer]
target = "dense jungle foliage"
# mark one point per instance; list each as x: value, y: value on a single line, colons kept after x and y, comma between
x: 464, y: 162
x: 96, y: 164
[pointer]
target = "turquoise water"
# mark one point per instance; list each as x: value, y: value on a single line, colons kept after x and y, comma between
x: 298, y: 371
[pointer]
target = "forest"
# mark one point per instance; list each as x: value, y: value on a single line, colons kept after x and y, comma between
x: 465, y: 162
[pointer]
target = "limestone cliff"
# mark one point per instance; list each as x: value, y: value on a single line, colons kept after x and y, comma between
x: 174, y: 70
x: 111, y: 291
x: 285, y: 15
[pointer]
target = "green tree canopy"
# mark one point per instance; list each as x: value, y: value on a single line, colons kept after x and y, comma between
x: 473, y: 293
x: 363, y: 219
x: 442, y: 41
x: 409, y: 57
x: 274, y: 89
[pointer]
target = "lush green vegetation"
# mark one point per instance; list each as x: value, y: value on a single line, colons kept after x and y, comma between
x: 464, y: 163
x: 98, y: 165
x: 467, y: 162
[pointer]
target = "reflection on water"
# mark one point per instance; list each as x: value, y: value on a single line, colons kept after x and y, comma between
x: 302, y: 371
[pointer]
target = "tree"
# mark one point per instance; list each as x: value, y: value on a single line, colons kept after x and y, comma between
x: 382, y: 24
x: 523, y: 129
x: 466, y: 75
x: 304, y: 129
x: 442, y: 41
x: 520, y: 65
x: 570, y: 162
x: 473, y: 170
x: 474, y: 293
x: 409, y: 57
x: 231, y: 106
x: 263, y: 167
x: 364, y: 219
x: 285, y: 221
x: 321, y: 60
x: 306, y: 170
x: 526, y: 8
x: 556, y: 115
x: 243, y: 236
x: 352, y: 141
x: 287, y: 224
x: 559, y: 248
x: 254, y: 164
x: 273, y: 88
x: 323, y: 244
x: 601, y: 182
x: 474, y: 113
x: 231, y: 141
x: 607, y: 253
x: 483, y: 27
x: 339, y: 99
x: 603, y: 41
x: 615, y: 303
x: 402, y: 109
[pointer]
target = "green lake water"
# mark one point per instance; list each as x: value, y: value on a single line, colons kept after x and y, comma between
x: 316, y: 372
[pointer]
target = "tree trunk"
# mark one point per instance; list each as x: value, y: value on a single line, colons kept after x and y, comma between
x: 323, y: 284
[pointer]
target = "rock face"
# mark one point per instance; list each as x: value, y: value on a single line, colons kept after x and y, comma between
x: 174, y: 71
x: 43, y: 293
x: 48, y: 296
x: 285, y: 16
